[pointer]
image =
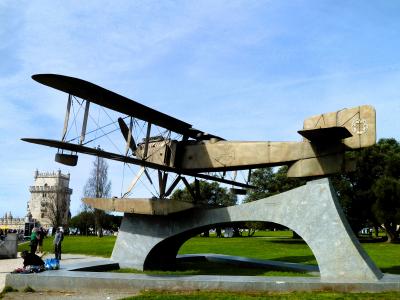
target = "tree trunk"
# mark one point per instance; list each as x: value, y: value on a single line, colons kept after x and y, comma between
x: 251, y: 232
x: 236, y: 232
x: 391, y: 233
x: 98, y: 216
x: 376, y: 229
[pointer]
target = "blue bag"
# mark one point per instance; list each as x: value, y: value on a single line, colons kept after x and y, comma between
x: 52, y: 264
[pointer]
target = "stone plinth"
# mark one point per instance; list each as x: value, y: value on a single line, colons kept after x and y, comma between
x: 312, y: 210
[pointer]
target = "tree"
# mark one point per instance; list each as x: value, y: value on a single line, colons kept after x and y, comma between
x: 211, y: 194
x: 98, y: 186
x: 83, y: 221
x: 370, y: 196
x: 269, y: 183
x: 386, y: 207
x: 57, y: 209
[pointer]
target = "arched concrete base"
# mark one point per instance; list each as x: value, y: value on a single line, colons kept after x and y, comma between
x: 312, y: 210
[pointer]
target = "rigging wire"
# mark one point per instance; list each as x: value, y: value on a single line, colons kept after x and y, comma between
x: 137, y: 131
x: 99, y: 137
x: 75, y: 116
x: 97, y: 129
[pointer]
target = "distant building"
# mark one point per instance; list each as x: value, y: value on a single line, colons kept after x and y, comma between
x: 9, y: 222
x: 50, y: 196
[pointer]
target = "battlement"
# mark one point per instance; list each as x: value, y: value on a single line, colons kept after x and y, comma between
x: 57, y: 174
x: 50, y: 189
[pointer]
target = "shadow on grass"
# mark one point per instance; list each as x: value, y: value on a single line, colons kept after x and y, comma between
x: 288, y: 241
x: 391, y: 270
x: 369, y: 240
x: 297, y: 259
x: 185, y: 268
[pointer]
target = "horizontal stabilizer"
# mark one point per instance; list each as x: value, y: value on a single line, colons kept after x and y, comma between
x: 326, y: 134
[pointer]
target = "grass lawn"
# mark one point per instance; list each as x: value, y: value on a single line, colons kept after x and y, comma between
x: 200, y: 295
x: 89, y: 245
x: 261, y: 247
x: 264, y: 245
x: 276, y: 245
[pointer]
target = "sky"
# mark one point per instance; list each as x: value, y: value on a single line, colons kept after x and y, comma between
x: 242, y: 70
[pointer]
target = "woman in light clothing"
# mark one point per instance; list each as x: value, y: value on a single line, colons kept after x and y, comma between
x: 57, y: 243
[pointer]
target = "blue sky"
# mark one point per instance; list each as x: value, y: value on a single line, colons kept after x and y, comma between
x: 243, y: 70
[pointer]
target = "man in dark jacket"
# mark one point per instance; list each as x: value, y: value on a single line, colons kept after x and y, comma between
x: 31, y: 259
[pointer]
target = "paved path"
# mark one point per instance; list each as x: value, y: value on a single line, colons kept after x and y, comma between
x: 8, y: 265
x: 110, y: 286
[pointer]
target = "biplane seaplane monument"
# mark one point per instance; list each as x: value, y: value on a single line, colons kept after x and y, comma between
x: 153, y: 230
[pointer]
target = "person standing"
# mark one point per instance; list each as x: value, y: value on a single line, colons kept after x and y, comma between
x: 58, y: 238
x: 34, y: 240
x: 41, y: 235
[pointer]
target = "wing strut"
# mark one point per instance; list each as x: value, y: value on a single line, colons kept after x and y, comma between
x: 197, y: 189
x: 85, y: 119
x: 134, y: 181
x: 130, y: 138
x: 147, y: 175
x: 66, y: 120
x: 173, y: 185
x: 189, y: 188
x: 146, y: 146
x: 127, y: 133
x: 162, y: 181
x: 249, y: 177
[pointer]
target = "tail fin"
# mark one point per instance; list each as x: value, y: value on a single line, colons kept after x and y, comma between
x: 359, y: 121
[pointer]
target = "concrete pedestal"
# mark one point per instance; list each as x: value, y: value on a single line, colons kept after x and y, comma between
x: 8, y: 247
x: 312, y: 210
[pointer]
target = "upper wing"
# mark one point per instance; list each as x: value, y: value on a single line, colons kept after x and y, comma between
x: 101, y: 96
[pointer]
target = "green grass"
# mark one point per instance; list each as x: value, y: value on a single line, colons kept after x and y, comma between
x: 89, y: 245
x: 212, y: 295
x: 386, y: 256
x: 264, y: 245
x: 272, y: 245
x: 281, y: 249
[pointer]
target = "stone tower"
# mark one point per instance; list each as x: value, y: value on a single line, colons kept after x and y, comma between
x: 50, y: 198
